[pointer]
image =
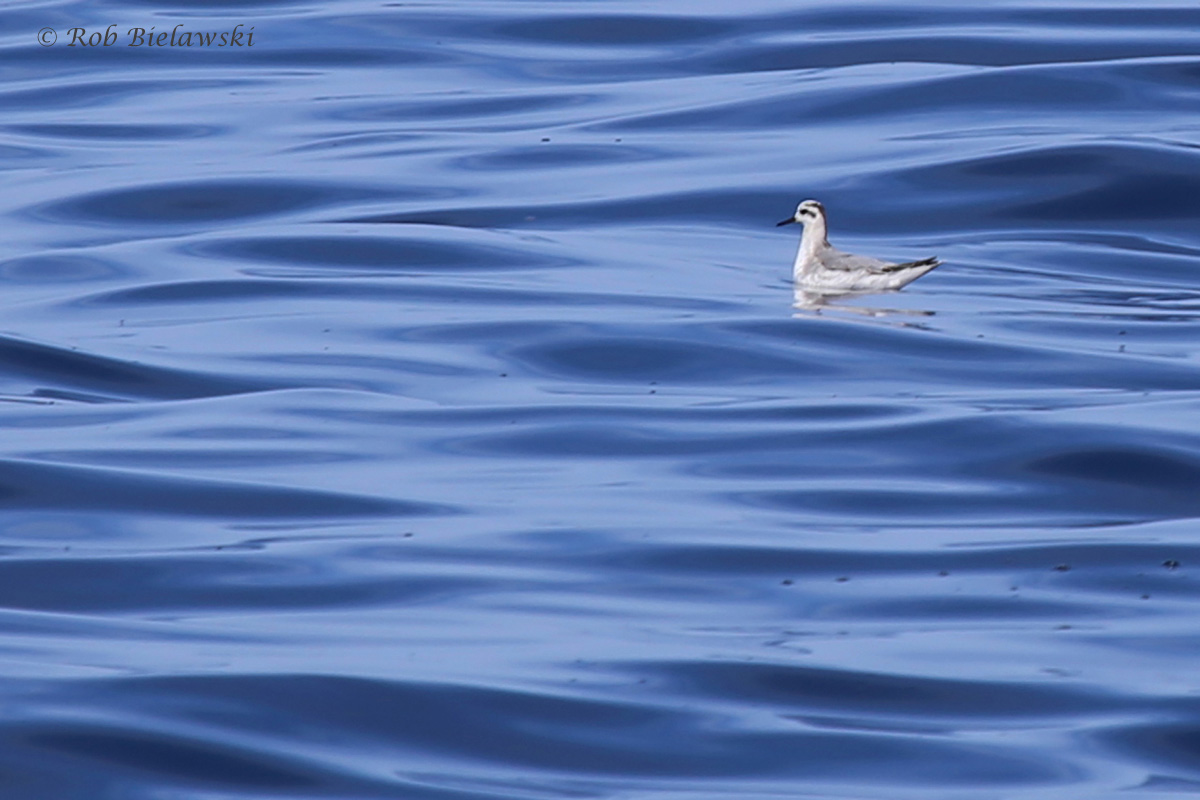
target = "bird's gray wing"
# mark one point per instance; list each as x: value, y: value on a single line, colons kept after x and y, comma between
x: 848, y: 262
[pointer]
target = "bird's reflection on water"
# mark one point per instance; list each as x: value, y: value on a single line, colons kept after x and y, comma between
x: 808, y: 303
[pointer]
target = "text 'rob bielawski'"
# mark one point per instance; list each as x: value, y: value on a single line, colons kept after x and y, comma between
x: 238, y: 36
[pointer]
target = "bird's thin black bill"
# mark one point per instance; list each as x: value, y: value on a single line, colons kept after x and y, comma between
x: 787, y: 221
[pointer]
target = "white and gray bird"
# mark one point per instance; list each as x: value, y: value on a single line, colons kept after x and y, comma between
x: 823, y: 269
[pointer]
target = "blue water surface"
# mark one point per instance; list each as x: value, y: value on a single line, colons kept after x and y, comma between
x: 414, y: 403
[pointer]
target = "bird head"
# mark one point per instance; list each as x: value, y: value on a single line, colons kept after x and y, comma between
x: 806, y: 212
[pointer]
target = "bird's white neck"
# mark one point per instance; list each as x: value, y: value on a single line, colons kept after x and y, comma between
x: 811, y: 241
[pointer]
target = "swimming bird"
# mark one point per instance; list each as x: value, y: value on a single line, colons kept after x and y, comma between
x: 822, y: 268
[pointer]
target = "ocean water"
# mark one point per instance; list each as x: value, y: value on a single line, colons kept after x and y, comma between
x: 414, y: 403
